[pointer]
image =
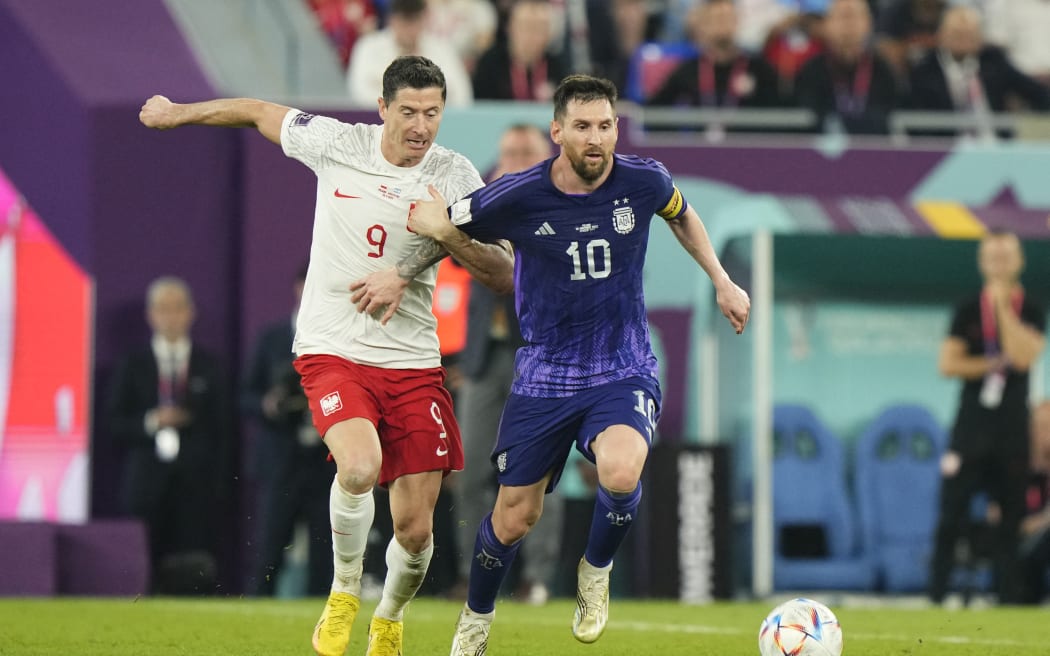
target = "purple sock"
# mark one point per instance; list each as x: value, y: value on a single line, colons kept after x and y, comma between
x: 489, y: 567
x: 613, y: 516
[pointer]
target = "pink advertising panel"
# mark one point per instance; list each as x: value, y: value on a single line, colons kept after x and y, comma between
x: 45, y: 359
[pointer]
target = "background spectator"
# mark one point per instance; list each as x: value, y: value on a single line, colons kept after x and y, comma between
x: 520, y: 67
x: 469, y: 25
x: 849, y: 84
x: 908, y: 30
x: 721, y: 75
x: 405, y: 34
x: 791, y: 42
x: 344, y: 21
x: 994, y: 339
x: 628, y: 21
x: 168, y: 408
x: 965, y: 74
x: 1020, y: 27
x: 290, y: 461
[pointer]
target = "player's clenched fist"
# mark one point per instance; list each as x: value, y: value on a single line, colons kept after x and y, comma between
x: 158, y: 112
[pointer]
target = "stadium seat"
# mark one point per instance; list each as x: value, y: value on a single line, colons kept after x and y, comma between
x: 816, y: 546
x: 651, y: 64
x: 898, y: 482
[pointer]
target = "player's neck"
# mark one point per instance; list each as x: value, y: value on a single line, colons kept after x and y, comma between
x: 567, y: 181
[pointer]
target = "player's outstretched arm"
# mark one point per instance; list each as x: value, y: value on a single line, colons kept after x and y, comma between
x: 161, y: 114
x: 732, y: 300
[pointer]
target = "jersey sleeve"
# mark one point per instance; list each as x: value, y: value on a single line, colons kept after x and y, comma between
x: 675, y: 204
x: 308, y: 137
x: 478, y: 214
x: 960, y: 323
x: 462, y: 179
x: 1034, y: 315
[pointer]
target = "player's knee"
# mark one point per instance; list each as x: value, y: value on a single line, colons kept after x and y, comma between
x: 620, y: 475
x: 516, y: 523
x: 358, y: 477
x: 413, y: 535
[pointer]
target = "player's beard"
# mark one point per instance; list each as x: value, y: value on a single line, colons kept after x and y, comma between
x: 587, y: 170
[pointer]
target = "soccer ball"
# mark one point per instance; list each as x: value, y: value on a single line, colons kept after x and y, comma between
x: 800, y: 627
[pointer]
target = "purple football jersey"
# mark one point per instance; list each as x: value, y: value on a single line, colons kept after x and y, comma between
x: 578, y: 270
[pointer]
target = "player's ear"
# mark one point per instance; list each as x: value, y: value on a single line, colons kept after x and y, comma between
x: 382, y: 108
x: 556, y: 131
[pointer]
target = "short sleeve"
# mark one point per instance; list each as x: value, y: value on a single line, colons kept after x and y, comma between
x: 960, y: 323
x: 479, y: 214
x: 463, y: 179
x: 307, y: 137
x: 1034, y: 315
x: 670, y: 201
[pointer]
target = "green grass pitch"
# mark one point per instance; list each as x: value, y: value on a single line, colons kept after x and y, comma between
x: 162, y: 627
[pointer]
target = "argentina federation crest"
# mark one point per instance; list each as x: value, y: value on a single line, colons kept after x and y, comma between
x: 623, y: 219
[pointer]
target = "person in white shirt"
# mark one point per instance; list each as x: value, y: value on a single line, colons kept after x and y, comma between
x: 1020, y: 27
x: 373, y: 378
x: 405, y: 34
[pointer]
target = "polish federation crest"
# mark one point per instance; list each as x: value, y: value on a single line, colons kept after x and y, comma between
x: 331, y: 403
x: 623, y: 219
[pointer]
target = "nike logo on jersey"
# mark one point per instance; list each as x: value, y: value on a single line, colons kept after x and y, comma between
x: 441, y: 451
x: 339, y: 195
x: 545, y: 229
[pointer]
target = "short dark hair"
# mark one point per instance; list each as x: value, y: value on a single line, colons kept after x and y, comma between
x: 411, y: 72
x: 582, y: 88
x: 409, y: 8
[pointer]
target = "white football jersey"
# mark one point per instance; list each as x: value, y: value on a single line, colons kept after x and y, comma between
x: 360, y: 226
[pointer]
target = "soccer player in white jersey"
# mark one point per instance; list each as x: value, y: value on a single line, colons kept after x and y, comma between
x: 374, y: 381
x: 587, y: 375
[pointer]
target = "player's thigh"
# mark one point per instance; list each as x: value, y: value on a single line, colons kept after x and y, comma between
x: 418, y: 431
x: 535, y: 437
x: 623, y: 415
x: 354, y: 445
x: 343, y: 406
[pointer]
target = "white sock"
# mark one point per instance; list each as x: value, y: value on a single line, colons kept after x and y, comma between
x: 404, y: 574
x: 351, y: 516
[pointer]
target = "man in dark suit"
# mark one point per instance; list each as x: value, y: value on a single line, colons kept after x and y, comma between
x: 964, y: 74
x: 722, y: 75
x: 518, y: 66
x: 848, y: 84
x: 290, y: 460
x: 168, y: 409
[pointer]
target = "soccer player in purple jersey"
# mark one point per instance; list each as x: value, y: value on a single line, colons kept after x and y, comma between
x: 587, y: 376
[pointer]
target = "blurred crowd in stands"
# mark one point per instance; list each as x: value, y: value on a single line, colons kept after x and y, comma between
x: 851, y: 62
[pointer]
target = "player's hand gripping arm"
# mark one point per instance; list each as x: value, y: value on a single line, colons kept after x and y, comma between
x: 490, y: 264
x: 732, y: 300
x: 161, y: 114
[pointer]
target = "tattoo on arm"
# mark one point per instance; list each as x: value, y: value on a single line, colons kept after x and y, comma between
x: 428, y: 254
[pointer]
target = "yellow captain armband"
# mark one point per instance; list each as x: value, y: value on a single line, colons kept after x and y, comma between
x: 674, y: 207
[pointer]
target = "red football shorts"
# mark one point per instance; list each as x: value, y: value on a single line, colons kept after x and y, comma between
x: 410, y: 408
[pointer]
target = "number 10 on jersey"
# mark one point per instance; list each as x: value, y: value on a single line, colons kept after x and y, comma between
x: 593, y: 261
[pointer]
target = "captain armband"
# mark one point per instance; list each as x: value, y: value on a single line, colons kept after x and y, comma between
x: 674, y: 207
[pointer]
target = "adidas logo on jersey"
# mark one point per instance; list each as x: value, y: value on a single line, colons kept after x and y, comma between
x: 545, y: 229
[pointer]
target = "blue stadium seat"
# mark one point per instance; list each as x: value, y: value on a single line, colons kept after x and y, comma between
x: 815, y: 536
x: 898, y: 482
x: 650, y: 65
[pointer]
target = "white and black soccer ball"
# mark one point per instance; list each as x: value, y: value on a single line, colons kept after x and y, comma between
x: 800, y: 627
